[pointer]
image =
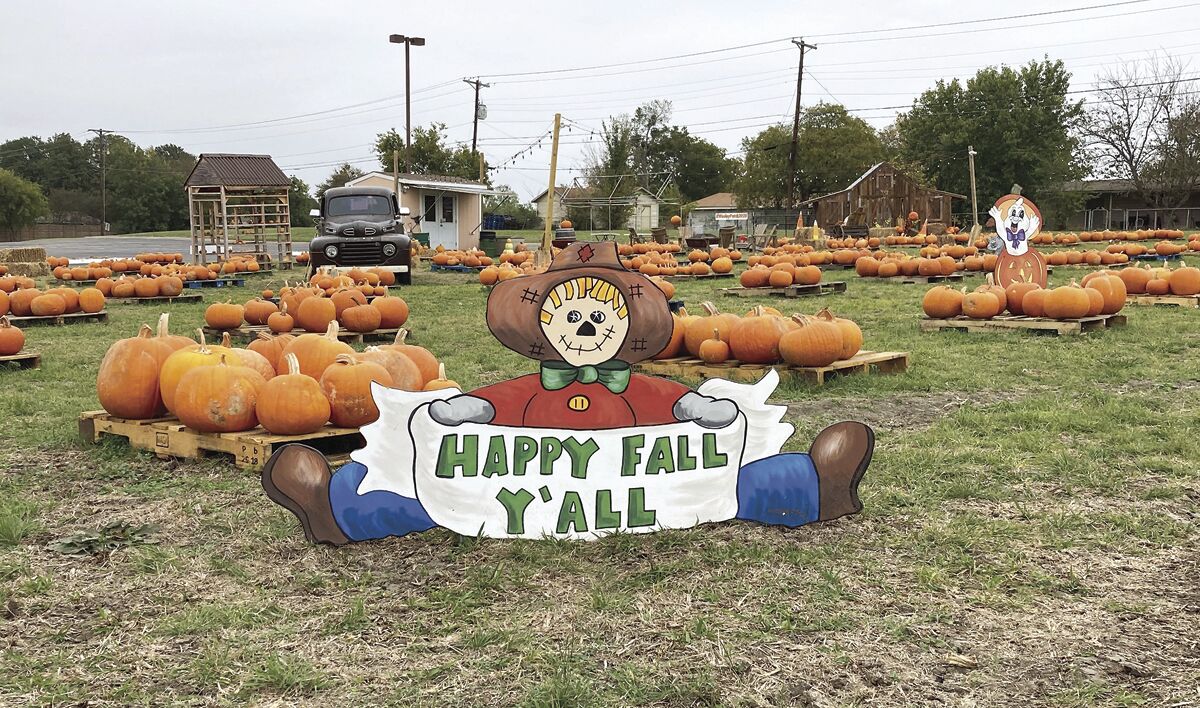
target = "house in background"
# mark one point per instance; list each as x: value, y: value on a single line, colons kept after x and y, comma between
x: 1113, y: 204
x: 449, y: 209
x: 704, y: 217
x: 644, y: 206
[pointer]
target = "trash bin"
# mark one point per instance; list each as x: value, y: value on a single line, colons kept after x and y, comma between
x: 421, y: 237
x: 725, y: 236
x: 489, y: 244
x: 659, y: 234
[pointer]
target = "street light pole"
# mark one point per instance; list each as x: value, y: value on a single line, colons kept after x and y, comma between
x: 407, y: 42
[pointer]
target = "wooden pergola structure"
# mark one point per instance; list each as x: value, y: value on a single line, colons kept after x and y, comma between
x: 238, y: 206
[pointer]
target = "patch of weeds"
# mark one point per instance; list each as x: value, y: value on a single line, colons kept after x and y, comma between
x: 153, y: 560
x: 205, y: 619
x: 17, y: 521
x: 355, y: 620
x: 228, y: 567
x: 488, y: 637
x: 283, y: 674
x: 1166, y: 491
x: 37, y: 585
x: 564, y: 688
x: 107, y: 539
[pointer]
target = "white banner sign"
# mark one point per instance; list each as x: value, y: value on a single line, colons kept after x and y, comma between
x: 732, y: 216
x: 506, y: 482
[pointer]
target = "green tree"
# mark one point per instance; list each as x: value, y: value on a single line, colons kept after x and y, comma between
x: 508, y: 203
x: 300, y: 202
x: 343, y: 174
x: 1020, y: 122
x: 835, y: 148
x: 21, y: 201
x: 696, y: 167
x: 429, y: 154
x: 608, y: 176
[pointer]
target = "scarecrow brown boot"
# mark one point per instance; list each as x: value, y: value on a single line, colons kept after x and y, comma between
x: 297, y: 478
x: 841, y: 454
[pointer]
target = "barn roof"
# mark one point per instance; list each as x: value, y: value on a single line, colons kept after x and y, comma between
x: 229, y: 170
x: 720, y: 200
x: 867, y: 174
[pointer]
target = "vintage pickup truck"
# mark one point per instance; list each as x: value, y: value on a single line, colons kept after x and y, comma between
x: 362, y: 227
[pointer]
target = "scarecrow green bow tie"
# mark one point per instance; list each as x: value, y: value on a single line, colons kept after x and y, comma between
x: 613, y: 375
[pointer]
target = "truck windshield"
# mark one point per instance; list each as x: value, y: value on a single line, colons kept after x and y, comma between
x: 356, y: 205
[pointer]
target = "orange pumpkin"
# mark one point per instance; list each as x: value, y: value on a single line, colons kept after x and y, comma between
x: 91, y: 300
x: 317, y: 351
x: 714, y: 350
x: 12, y: 339
x: 675, y: 345
x: 127, y: 383
x: 258, y: 310
x: 852, y: 336
x: 220, y: 398
x: 814, y: 342
x: 183, y: 360
x: 1015, y: 293
x: 426, y: 362
x: 941, y: 302
x: 47, y: 305
x: 981, y: 305
x: 1069, y: 302
x: 702, y: 328
x: 270, y: 347
x: 314, y: 314
x: 224, y: 315
x: 292, y: 403
x: 405, y: 374
x: 755, y: 339
x: 393, y: 311
x: 1185, y: 281
x: 1112, y: 292
x: 347, y: 385
x: 441, y: 382
x: 280, y: 322
x: 361, y: 318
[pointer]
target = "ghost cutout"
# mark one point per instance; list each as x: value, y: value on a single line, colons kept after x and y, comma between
x: 1017, y: 221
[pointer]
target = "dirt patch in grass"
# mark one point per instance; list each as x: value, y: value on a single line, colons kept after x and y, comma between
x: 904, y: 411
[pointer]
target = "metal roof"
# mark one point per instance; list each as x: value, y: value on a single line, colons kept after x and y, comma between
x: 230, y: 170
x: 720, y: 200
x: 868, y: 174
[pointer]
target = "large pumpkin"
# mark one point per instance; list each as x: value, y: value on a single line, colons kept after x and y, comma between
x: 1112, y: 292
x: 317, y: 351
x: 1069, y: 302
x: 48, y: 305
x: 271, y: 347
x: 12, y: 339
x: 345, y: 299
x: 147, y: 287
x: 3, y: 303
x: 258, y: 310
x: 361, y: 318
x: 393, y: 311
x: 280, y: 322
x: 755, y: 339
x: 702, y: 328
x: 1033, y: 303
x: 981, y: 305
x: 314, y: 314
x: 249, y: 358
x: 814, y: 342
x: 91, y: 300
x: 678, y: 330
x: 220, y: 398
x: 292, y: 403
x: 347, y: 385
x: 426, y: 362
x: 127, y: 383
x: 404, y: 372
x: 224, y: 315
x: 852, y: 336
x: 182, y: 361
x: 941, y: 302
x: 1185, y: 281
x: 70, y: 298
x: 1135, y: 279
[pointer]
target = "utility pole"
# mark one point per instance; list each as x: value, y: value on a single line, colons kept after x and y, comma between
x: 546, y: 240
x: 796, y: 123
x: 396, y: 172
x: 407, y: 42
x: 974, y: 199
x: 476, y: 84
x: 101, y: 132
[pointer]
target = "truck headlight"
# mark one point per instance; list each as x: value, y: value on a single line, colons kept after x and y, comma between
x: 331, y: 251
x: 389, y: 249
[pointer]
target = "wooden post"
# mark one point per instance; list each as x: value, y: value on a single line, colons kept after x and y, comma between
x: 546, y: 235
x: 396, y: 173
x: 975, y: 230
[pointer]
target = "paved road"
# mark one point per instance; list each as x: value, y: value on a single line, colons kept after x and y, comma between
x: 99, y: 247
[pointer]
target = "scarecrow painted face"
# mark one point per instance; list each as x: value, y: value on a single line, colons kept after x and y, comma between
x: 585, y: 320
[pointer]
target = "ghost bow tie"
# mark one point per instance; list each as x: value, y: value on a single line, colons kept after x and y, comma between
x: 1015, y: 238
x: 613, y: 375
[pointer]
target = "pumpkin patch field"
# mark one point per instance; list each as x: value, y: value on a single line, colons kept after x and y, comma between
x: 1029, y: 536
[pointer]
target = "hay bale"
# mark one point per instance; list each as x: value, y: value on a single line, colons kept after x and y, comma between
x: 31, y: 270
x: 22, y: 255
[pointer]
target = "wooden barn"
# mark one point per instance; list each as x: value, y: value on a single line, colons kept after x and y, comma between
x: 880, y: 196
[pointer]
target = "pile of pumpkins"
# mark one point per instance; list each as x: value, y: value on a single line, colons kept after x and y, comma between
x: 1139, y: 235
x: 493, y: 274
x: 1088, y: 257
x: 133, y: 267
x: 763, y: 336
x: 628, y: 250
x: 890, y: 265
x: 780, y: 275
x: 12, y: 283
x: 160, y: 258
x: 1100, y: 293
x: 139, y: 286
x: 472, y: 258
x: 1161, y: 281
x: 312, y: 309
x: 12, y: 339
x: 288, y: 385
x: 31, y: 302
x: 661, y: 261
x: 901, y: 240
x: 799, y: 257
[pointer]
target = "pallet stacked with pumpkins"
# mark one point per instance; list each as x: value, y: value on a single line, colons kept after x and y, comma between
x: 24, y: 303
x: 195, y: 396
x: 1093, y: 303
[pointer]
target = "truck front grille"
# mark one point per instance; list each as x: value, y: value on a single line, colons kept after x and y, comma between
x: 360, y: 253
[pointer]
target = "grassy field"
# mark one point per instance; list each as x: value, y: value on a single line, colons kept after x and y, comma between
x: 1029, y: 538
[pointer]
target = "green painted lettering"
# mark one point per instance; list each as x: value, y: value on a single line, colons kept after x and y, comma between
x: 515, y: 503
x: 639, y: 515
x: 606, y: 517
x: 571, y: 514
x: 524, y: 450
x: 451, y: 458
x: 684, y: 461
x: 660, y: 457
x: 712, y: 458
x: 496, y: 464
x: 551, y: 451
x: 580, y: 454
x: 631, y: 454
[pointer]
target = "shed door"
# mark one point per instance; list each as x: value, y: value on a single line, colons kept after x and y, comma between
x: 440, y: 219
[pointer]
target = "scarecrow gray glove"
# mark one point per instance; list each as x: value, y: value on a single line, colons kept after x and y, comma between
x: 462, y: 409
x: 705, y: 411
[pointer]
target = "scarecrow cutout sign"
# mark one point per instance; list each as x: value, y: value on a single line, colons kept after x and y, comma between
x: 580, y: 449
x: 1017, y: 222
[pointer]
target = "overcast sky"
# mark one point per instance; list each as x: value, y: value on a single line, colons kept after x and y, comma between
x: 183, y: 72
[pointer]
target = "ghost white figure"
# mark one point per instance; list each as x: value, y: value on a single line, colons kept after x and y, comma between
x: 1016, y: 227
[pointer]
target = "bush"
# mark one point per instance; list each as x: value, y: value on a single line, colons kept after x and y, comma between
x: 21, y: 201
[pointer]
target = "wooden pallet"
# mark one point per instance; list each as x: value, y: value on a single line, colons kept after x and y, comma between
x: 455, y: 268
x: 167, y: 438
x: 1030, y: 324
x: 60, y: 320
x: 216, y: 283
x: 838, y: 286
x: 1171, y: 300
x: 184, y: 297
x: 861, y: 363
x: 23, y: 360
x: 1111, y: 266
x: 926, y: 279
x: 836, y: 266
x: 247, y: 333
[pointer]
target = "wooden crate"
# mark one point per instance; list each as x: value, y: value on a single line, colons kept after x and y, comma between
x: 862, y: 363
x: 1169, y: 300
x: 184, y: 297
x: 23, y: 360
x: 838, y: 286
x: 926, y: 279
x: 60, y: 320
x: 167, y: 437
x: 247, y: 333
x: 1029, y: 324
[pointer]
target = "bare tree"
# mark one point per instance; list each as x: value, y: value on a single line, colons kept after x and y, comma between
x: 1144, y: 129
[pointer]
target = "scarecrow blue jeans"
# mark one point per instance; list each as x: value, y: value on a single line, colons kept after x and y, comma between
x: 782, y: 490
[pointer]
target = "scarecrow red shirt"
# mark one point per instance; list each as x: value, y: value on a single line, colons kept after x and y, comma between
x: 524, y: 401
